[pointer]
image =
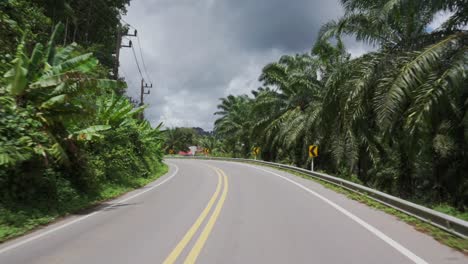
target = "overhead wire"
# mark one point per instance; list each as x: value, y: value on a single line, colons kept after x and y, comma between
x: 130, y: 85
x: 141, y: 52
x: 136, y: 61
x: 143, y: 60
x: 106, y: 19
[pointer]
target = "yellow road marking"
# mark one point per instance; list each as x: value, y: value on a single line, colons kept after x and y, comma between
x: 188, y: 236
x: 192, y: 256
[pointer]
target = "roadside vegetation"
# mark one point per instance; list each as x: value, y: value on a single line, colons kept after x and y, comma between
x: 394, y: 119
x: 181, y: 138
x: 68, y: 137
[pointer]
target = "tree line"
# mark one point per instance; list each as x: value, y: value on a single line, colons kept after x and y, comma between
x: 394, y: 119
x: 93, y: 24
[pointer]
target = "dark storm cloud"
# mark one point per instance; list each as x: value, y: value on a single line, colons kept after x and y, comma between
x: 285, y: 25
x: 199, y: 51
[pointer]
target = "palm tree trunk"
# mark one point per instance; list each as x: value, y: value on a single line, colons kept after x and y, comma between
x: 405, y: 178
x: 363, y: 164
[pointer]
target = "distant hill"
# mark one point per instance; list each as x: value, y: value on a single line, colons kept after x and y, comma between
x: 200, y: 131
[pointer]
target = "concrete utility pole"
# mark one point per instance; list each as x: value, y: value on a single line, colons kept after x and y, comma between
x: 142, y: 93
x: 117, y: 49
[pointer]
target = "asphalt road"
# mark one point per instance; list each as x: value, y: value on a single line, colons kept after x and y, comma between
x: 222, y: 212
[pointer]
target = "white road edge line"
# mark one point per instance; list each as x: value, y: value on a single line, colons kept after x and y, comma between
x: 22, y: 242
x: 406, y: 252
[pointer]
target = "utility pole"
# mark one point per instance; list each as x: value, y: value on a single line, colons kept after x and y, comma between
x: 117, y: 49
x: 143, y: 92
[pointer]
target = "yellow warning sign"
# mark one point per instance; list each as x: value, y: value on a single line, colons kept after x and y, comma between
x: 313, y: 151
x: 256, y: 151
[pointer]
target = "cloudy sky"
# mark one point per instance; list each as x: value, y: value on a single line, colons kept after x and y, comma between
x: 197, y: 51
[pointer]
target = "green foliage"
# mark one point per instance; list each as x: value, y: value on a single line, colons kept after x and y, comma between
x: 214, y: 145
x: 447, y: 209
x: 92, y: 24
x: 234, y: 126
x: 91, y: 132
x: 116, y: 111
x: 180, y: 139
x: 16, y: 18
x: 21, y: 137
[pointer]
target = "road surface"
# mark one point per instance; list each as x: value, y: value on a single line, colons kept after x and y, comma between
x: 224, y: 212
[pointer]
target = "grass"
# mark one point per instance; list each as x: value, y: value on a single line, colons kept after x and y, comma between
x: 14, y: 223
x: 437, y: 233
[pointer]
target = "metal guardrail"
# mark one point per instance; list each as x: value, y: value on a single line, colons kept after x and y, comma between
x: 446, y: 222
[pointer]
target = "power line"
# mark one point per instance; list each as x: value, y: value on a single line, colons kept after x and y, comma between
x: 143, y: 84
x: 131, y: 85
x: 141, y: 52
x: 143, y: 60
x: 136, y: 61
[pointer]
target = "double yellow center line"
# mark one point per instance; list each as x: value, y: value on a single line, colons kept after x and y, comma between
x: 196, y: 249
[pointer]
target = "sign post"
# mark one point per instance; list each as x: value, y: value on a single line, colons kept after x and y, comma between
x: 207, y: 151
x: 255, y: 151
x: 313, y: 152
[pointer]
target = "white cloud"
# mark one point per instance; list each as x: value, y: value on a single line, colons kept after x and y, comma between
x: 357, y: 49
x: 439, y: 18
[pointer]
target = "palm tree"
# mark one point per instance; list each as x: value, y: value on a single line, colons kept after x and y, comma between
x: 213, y: 144
x: 414, y: 80
x: 291, y: 84
x: 180, y: 139
x: 235, y: 123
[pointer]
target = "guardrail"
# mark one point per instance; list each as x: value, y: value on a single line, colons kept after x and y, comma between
x: 446, y: 222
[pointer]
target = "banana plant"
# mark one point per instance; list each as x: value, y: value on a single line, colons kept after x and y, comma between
x: 90, y: 133
x: 58, y: 83
x: 52, y: 77
x: 116, y: 111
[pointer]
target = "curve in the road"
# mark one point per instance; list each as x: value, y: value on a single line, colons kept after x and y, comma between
x: 195, y: 252
x: 413, y: 257
x: 269, y: 216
